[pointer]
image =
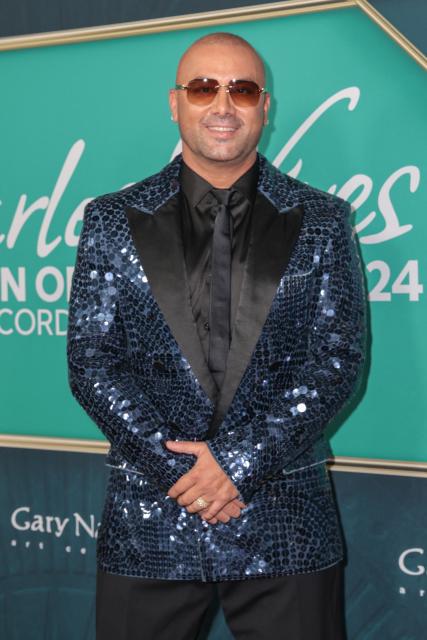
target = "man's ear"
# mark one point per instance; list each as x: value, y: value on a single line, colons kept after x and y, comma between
x: 266, y: 107
x: 173, y: 105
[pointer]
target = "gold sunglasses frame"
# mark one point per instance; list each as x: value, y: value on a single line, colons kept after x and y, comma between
x: 227, y: 86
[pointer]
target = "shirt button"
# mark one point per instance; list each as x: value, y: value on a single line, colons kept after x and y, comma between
x: 206, y: 325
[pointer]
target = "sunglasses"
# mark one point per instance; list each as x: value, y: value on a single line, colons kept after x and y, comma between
x: 202, y: 91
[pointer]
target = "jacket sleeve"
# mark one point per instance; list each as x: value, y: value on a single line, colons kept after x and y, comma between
x: 319, y: 388
x: 98, y: 373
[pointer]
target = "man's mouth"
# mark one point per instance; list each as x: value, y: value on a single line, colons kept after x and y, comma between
x: 218, y: 128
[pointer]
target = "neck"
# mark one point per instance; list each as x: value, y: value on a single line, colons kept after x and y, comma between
x: 220, y: 174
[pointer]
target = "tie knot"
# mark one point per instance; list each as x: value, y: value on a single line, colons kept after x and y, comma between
x: 223, y: 195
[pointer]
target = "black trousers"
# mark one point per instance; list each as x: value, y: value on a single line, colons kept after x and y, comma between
x: 298, y: 607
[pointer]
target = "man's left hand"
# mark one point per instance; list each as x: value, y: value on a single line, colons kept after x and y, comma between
x: 206, y: 479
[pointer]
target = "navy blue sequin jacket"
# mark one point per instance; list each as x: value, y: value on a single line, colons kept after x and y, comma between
x: 297, y: 352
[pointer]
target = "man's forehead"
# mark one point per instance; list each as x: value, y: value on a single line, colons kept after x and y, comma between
x: 221, y: 61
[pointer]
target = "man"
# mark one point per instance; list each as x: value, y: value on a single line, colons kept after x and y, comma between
x: 216, y: 326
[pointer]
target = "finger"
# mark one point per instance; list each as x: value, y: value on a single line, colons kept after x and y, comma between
x: 185, y: 446
x: 189, y: 497
x: 190, y: 500
x: 183, y: 484
x: 202, y: 514
x: 222, y: 516
x: 213, y: 509
x: 215, y: 520
x: 237, y: 503
x: 198, y: 490
x: 194, y: 507
x: 232, y: 510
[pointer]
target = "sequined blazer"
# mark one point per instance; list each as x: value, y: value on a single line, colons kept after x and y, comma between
x: 136, y: 366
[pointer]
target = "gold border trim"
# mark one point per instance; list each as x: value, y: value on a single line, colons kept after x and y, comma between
x: 187, y: 21
x: 393, y: 33
x: 54, y: 444
x: 379, y: 466
x: 210, y: 18
x: 338, y: 463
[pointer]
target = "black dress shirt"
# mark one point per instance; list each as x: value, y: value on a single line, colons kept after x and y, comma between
x: 197, y: 223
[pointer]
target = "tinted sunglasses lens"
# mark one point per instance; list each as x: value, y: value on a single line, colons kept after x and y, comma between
x: 245, y: 93
x: 201, y: 91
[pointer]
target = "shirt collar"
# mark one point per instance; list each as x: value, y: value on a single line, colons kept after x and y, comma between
x: 195, y: 187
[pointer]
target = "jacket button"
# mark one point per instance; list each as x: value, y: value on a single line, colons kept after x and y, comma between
x: 206, y: 325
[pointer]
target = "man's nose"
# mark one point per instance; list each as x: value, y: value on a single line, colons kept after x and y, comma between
x: 222, y: 103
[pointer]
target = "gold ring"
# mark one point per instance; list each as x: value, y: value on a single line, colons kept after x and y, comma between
x: 202, y: 503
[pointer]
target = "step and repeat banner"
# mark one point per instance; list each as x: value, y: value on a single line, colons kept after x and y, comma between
x: 83, y: 119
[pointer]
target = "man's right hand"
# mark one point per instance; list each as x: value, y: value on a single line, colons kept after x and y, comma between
x: 231, y: 510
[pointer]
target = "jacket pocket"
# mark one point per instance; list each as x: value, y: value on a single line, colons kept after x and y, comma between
x: 308, y: 478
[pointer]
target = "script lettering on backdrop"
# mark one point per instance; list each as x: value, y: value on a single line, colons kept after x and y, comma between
x: 358, y: 189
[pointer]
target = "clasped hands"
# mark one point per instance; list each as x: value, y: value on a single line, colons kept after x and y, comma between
x: 206, y: 479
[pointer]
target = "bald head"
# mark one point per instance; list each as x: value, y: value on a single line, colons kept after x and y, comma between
x: 220, y: 39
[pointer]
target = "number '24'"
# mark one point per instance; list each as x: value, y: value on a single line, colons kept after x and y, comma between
x: 407, y: 282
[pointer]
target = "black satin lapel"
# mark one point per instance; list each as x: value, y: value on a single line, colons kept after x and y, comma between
x: 157, y: 239
x: 273, y: 237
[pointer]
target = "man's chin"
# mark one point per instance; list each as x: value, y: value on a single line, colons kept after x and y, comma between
x: 222, y: 154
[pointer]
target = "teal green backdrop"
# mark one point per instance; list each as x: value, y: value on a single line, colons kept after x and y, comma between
x: 84, y: 119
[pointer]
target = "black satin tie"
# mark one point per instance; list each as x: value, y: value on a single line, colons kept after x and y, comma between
x: 220, y: 291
